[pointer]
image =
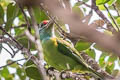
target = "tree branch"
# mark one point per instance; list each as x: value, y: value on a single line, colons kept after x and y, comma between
x: 68, y: 75
x: 19, y: 45
x: 81, y: 29
x: 25, y: 50
x: 110, y: 26
x: 38, y: 44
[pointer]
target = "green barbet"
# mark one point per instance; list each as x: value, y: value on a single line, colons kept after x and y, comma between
x: 60, y: 54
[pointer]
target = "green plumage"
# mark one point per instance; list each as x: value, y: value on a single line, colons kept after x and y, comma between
x: 60, y: 54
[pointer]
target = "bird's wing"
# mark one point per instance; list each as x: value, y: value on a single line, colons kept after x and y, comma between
x: 67, y: 49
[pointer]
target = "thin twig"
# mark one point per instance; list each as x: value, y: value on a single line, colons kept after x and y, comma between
x: 96, y: 9
x: 28, y: 25
x: 12, y: 63
x: 116, y: 9
x: 25, y: 16
x: 8, y: 41
x: 4, y: 40
x: 11, y: 49
x: 110, y: 26
x: 112, y: 18
x: 24, y: 50
x: 47, y: 14
x: 22, y: 25
x: 62, y: 33
x: 81, y: 29
x: 8, y: 51
x: 81, y: 2
x: 20, y: 46
x: 65, y: 34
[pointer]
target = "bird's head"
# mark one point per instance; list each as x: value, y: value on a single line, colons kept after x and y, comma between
x: 45, y: 25
x: 46, y: 29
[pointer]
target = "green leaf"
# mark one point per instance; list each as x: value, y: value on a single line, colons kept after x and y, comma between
x: 1, y: 15
x: 21, y: 17
x: 12, y: 12
x: 98, y: 48
x: 77, y: 10
x: 33, y: 73
x: 111, y: 63
x: 101, y: 7
x: 109, y: 68
x: 9, y: 77
x: 19, y: 31
x: 102, y: 59
x: 5, y: 72
x: 24, y: 41
x: 111, y: 2
x: 100, y: 2
x: 117, y: 4
x: 112, y: 58
x: 40, y: 14
x: 91, y: 53
x: 118, y: 21
x: 21, y: 73
x: 82, y: 45
x: 14, y: 65
x: 30, y: 62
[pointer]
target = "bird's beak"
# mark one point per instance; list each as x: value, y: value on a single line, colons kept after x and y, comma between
x: 50, y: 24
x: 47, y: 26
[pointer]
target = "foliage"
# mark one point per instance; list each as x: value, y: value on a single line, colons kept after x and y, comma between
x: 10, y: 12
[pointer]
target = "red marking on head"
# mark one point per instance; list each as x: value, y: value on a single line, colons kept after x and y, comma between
x: 45, y: 21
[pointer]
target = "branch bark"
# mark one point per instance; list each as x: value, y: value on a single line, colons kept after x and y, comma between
x: 80, y: 29
x: 38, y: 44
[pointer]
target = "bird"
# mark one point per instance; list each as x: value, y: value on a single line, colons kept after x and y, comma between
x: 61, y: 54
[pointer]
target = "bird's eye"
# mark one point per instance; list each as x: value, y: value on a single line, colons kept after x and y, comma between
x: 44, y: 23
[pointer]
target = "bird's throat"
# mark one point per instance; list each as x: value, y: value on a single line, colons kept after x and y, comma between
x: 47, y: 33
